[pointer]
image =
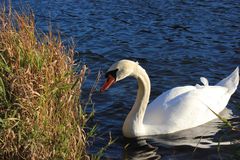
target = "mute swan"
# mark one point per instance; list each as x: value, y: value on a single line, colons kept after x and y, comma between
x: 177, y: 109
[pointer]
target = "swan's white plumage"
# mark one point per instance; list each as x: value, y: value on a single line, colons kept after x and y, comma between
x: 176, y: 109
x: 185, y: 107
x: 204, y: 81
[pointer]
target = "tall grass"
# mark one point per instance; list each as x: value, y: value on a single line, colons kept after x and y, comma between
x: 40, y: 111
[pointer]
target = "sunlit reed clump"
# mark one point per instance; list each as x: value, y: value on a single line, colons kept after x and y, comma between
x: 40, y: 111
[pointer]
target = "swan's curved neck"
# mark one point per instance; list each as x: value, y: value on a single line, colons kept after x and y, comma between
x: 133, y: 124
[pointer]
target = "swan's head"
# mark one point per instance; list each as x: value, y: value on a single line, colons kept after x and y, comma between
x: 119, y: 71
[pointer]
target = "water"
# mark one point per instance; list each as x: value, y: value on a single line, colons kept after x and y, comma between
x: 175, y: 41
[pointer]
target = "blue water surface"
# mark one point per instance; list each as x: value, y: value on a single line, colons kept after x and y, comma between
x: 176, y: 41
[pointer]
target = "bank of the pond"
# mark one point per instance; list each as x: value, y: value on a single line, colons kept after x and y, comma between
x: 40, y: 110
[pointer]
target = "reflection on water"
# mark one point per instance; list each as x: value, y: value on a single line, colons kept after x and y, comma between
x: 198, y: 143
x: 175, y: 41
x: 200, y: 137
x: 139, y: 149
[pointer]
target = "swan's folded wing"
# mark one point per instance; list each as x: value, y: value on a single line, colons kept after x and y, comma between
x: 192, y: 108
x: 156, y: 109
x: 189, y: 109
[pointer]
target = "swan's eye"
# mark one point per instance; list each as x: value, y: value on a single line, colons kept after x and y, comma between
x: 112, y: 73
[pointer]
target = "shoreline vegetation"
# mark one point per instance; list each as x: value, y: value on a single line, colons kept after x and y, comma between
x: 40, y: 110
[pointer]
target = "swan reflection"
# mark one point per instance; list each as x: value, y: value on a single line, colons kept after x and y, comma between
x: 139, y: 149
x: 199, y: 142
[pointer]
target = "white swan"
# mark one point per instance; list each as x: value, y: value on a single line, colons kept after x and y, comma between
x: 177, y: 109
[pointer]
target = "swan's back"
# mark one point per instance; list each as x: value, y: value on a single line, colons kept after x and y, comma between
x: 186, y: 107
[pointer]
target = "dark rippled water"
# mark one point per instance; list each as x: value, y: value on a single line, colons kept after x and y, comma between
x: 175, y: 41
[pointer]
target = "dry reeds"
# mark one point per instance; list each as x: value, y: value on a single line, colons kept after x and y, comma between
x: 40, y: 111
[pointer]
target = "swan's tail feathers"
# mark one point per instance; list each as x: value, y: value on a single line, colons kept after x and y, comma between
x: 231, y: 82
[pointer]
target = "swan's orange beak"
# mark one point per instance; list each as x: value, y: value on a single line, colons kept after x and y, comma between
x: 110, y: 80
